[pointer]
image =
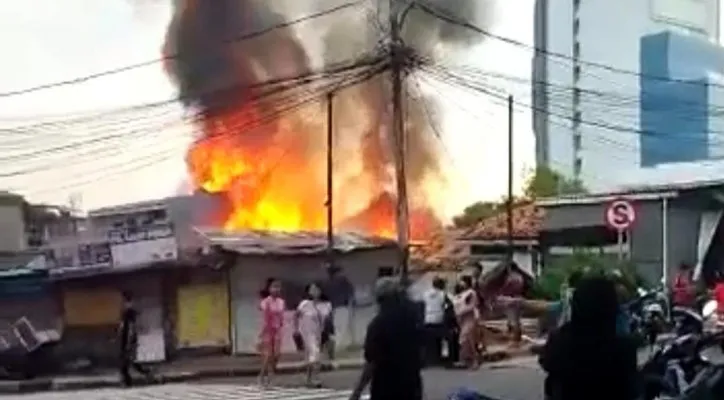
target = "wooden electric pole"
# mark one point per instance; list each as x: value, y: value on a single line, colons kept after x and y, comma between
x: 509, y: 203
x: 398, y: 134
x: 330, y: 174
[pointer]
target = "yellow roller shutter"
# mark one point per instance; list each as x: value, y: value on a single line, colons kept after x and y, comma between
x: 203, y: 315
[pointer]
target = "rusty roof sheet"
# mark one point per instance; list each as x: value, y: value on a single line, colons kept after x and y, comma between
x: 256, y: 242
x: 527, y: 224
x: 441, y: 251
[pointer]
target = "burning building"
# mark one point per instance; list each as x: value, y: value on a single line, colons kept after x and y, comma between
x: 261, y: 147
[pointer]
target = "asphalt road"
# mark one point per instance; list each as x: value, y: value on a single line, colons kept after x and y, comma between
x: 511, y: 380
x: 518, y: 380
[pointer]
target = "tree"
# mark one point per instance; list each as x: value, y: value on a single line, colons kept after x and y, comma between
x: 476, y: 212
x: 545, y: 182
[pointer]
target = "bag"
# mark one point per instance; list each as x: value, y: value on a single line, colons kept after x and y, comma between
x: 298, y: 341
x: 327, y: 330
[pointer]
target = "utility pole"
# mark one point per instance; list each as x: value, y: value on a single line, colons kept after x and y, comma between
x: 398, y: 134
x: 509, y: 203
x: 330, y: 172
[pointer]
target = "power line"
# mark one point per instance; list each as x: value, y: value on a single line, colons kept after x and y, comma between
x: 465, y: 24
x: 150, y: 160
x: 280, y: 108
x: 277, y: 87
x: 131, y: 67
x: 616, y: 97
x: 500, y: 101
x: 599, y: 124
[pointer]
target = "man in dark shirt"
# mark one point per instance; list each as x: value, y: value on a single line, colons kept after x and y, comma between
x: 393, y: 360
x: 128, y: 332
x: 586, y: 358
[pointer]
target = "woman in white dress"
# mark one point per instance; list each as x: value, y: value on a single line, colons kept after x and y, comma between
x: 312, y: 324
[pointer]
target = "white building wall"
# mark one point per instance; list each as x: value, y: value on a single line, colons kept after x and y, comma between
x: 609, y: 34
x: 12, y: 228
x: 560, y: 76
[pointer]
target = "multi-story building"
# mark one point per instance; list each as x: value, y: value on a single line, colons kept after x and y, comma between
x: 133, y: 234
x: 620, y: 85
x: 12, y: 223
x: 29, y: 227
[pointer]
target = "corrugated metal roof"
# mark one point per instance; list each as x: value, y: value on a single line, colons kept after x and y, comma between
x: 441, y: 251
x: 527, y: 223
x: 289, y: 243
x: 13, y: 261
x: 653, y: 184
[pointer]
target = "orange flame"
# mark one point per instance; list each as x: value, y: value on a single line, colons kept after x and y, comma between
x: 270, y: 181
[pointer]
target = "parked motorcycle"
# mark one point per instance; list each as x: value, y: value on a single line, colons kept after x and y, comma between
x: 692, y: 319
x: 678, y: 367
x: 649, y: 315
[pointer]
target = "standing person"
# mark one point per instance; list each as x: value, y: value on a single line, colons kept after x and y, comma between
x: 341, y: 295
x: 684, y: 288
x: 452, y: 329
x: 586, y: 358
x: 272, y: 309
x: 312, y: 322
x: 513, y: 287
x: 434, y: 301
x: 128, y: 331
x: 483, y: 301
x: 466, y: 309
x: 719, y: 298
x: 392, y: 348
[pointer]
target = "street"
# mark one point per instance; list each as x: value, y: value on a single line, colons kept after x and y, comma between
x: 510, y: 380
x: 516, y: 379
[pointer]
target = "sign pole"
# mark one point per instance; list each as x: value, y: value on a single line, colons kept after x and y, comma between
x: 620, y: 245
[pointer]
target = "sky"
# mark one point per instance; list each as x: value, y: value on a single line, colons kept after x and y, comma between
x: 47, y: 41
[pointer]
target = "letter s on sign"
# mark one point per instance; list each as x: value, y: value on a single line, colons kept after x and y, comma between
x: 620, y: 214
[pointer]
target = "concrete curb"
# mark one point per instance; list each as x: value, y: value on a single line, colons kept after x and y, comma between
x: 110, y: 381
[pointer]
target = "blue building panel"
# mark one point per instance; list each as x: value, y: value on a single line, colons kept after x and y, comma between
x: 674, y: 97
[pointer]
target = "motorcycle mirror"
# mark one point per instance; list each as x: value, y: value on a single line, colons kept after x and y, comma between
x: 709, y: 308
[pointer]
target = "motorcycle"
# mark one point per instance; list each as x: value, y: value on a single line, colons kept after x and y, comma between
x: 678, y: 367
x: 692, y: 319
x: 649, y: 315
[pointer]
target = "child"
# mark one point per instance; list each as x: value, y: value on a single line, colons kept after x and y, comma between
x: 272, y: 310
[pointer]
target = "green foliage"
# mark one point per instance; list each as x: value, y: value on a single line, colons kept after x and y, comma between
x: 551, y: 282
x: 545, y: 182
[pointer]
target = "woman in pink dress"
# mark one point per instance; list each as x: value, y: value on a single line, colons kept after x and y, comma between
x: 270, y: 338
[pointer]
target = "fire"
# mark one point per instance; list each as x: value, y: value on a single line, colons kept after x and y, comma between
x: 269, y: 181
x: 272, y: 175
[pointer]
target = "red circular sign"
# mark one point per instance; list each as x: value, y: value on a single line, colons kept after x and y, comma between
x: 620, y: 214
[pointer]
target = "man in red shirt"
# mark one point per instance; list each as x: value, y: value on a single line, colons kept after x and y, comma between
x: 719, y: 297
x: 684, y: 289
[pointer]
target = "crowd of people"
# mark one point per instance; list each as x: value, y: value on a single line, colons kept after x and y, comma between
x: 454, y: 320
x: 589, y: 354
